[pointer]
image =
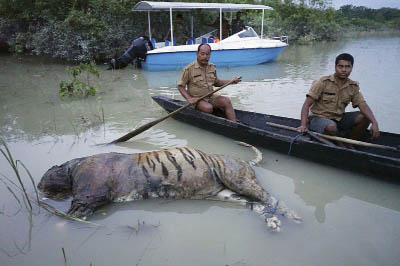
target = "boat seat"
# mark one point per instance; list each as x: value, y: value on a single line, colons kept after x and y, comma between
x: 191, y: 40
x: 210, y: 40
x: 168, y: 43
x: 203, y: 40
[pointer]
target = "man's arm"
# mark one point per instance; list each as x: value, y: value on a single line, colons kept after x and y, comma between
x: 167, y: 35
x: 222, y: 82
x: 304, y: 114
x: 367, y: 112
x: 186, y: 95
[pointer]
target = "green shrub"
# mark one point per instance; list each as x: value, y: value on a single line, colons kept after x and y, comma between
x: 77, y: 86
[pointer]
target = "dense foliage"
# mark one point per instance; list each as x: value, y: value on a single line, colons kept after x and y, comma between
x: 79, y: 30
x: 85, y: 30
x: 369, y: 19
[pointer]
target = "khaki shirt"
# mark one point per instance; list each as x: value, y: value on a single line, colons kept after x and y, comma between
x: 180, y: 34
x: 199, y: 80
x: 330, y: 101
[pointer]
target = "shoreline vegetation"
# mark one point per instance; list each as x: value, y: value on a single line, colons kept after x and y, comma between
x: 97, y: 30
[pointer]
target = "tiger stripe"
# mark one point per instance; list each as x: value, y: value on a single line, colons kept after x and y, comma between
x: 164, y: 170
x: 204, y: 158
x: 191, y: 154
x: 187, y: 158
x: 157, y: 157
x: 219, y: 166
x: 153, y: 165
x: 172, y: 159
x: 145, y: 172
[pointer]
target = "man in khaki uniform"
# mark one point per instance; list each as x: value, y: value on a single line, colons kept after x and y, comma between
x: 328, y: 98
x: 200, y: 77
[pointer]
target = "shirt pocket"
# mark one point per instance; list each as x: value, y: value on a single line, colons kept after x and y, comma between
x: 328, y: 97
x: 211, y: 75
x: 345, y: 99
x: 198, y: 80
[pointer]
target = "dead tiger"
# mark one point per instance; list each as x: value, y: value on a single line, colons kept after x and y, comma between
x: 178, y: 173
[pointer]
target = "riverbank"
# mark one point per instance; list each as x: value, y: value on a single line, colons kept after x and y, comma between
x: 99, y: 30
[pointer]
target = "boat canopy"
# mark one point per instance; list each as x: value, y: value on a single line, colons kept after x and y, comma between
x: 186, y: 6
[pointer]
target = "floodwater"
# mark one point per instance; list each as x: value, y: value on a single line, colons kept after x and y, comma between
x: 348, y: 218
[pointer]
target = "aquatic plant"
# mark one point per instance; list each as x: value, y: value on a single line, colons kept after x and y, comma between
x: 77, y: 86
x: 14, y: 165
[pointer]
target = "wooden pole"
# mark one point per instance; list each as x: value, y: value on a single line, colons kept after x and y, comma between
x: 311, y: 134
x: 345, y: 140
x: 155, y: 122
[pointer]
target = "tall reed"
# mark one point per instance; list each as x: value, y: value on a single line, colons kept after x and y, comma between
x: 14, y: 166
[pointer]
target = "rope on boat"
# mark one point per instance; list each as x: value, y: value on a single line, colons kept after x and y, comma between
x: 293, y: 140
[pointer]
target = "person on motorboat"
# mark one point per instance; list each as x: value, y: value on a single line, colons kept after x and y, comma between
x: 200, y: 77
x: 181, y: 34
x: 237, y: 23
x: 225, y: 26
x: 327, y: 100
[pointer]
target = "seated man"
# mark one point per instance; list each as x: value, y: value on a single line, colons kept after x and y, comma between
x: 181, y: 34
x: 200, y: 76
x: 328, y: 98
x: 237, y: 24
x: 225, y: 27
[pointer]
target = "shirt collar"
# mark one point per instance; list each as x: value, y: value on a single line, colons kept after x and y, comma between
x: 347, y: 83
x: 197, y: 65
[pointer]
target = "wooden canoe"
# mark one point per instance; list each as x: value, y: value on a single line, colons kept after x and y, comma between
x: 252, y: 128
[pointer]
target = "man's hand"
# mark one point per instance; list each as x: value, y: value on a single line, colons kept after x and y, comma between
x: 367, y: 112
x: 302, y: 129
x: 375, y: 130
x: 192, y: 100
x: 236, y: 80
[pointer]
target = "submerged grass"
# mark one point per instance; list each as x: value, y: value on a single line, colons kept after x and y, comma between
x: 14, y: 165
x: 65, y: 258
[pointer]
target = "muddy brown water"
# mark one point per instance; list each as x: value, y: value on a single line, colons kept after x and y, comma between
x: 349, y: 218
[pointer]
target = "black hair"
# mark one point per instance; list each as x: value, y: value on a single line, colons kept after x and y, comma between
x: 346, y: 57
x: 179, y: 15
x: 198, y: 49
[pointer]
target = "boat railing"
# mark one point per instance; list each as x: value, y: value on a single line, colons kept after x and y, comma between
x: 284, y: 38
x: 206, y: 36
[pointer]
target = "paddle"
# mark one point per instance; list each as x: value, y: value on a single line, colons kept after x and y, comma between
x: 155, y: 122
x: 345, y: 140
x: 311, y: 134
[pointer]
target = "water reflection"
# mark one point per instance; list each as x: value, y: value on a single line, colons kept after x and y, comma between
x: 320, y: 185
x: 162, y: 206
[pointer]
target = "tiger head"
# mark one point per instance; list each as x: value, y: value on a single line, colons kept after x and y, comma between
x: 57, y: 181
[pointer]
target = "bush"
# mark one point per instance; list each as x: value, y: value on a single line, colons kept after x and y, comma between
x: 77, y: 86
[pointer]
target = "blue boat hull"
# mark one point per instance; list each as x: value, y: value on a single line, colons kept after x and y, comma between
x: 221, y: 58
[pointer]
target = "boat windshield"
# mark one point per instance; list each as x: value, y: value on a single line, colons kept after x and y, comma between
x: 248, y: 33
